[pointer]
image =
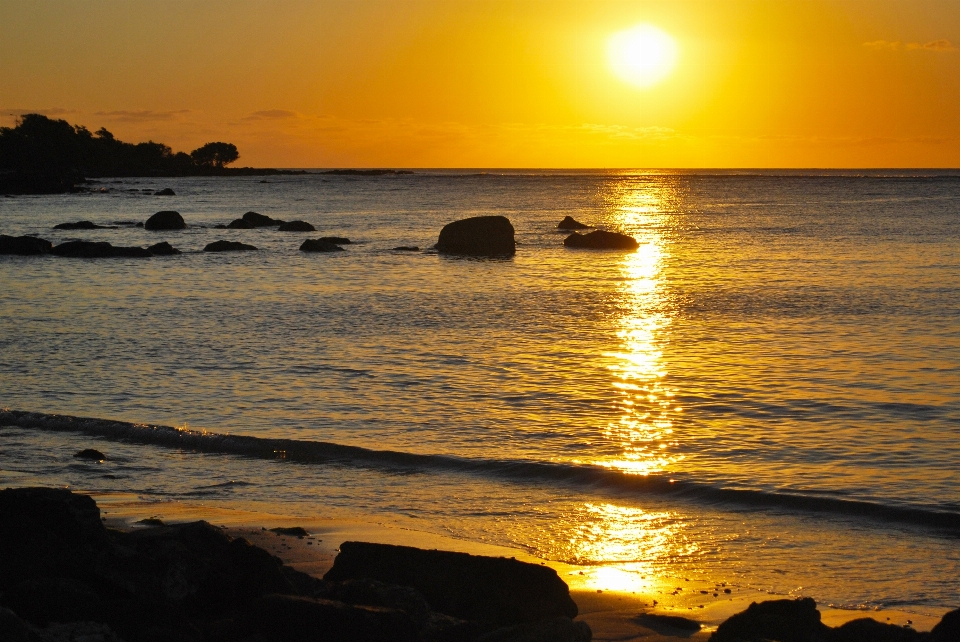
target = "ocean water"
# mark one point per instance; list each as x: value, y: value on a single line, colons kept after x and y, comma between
x: 767, y: 392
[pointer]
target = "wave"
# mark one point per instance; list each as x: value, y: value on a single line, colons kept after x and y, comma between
x: 583, y: 476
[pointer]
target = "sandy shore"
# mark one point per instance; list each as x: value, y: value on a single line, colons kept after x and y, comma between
x: 612, y: 615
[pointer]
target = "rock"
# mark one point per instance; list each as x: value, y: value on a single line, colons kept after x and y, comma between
x: 221, y: 226
x: 558, y: 629
x: 947, y: 629
x: 666, y: 624
x: 227, y: 246
x: 601, y: 240
x: 336, y: 240
x: 491, y: 590
x: 869, y: 630
x: 406, y: 248
x: 259, y: 220
x: 12, y: 628
x: 295, y: 619
x: 162, y: 249
x: 374, y: 593
x: 166, y: 191
x: 570, y: 223
x: 240, y: 224
x: 166, y: 220
x: 58, y: 599
x: 24, y: 245
x: 319, y: 245
x: 139, y: 224
x: 82, y: 225
x: 83, y: 632
x: 478, y: 236
x: 782, y: 620
x: 98, y: 250
x: 91, y: 453
x: 296, y: 226
x: 291, y: 531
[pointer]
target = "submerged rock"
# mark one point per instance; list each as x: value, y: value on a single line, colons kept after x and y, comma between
x: 166, y: 191
x: 162, y: 249
x: 24, y: 245
x: 601, y: 240
x: 82, y: 225
x: 478, y: 236
x: 570, y: 223
x: 296, y: 226
x: 228, y: 246
x: 319, y: 245
x: 782, y: 620
x: 91, y: 453
x: 336, y: 240
x: 259, y: 220
x: 240, y: 224
x: 166, y: 220
x: 406, y: 248
x: 98, y: 250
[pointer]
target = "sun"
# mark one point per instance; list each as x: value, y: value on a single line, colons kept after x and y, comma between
x: 643, y: 55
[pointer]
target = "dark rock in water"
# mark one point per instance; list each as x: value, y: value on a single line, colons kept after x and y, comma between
x: 947, y: 629
x: 82, y: 225
x: 139, y: 224
x: 259, y: 220
x: 302, y: 619
x: 663, y: 623
x: 782, y: 620
x: 558, y: 629
x: 220, y: 227
x: 291, y: 531
x: 162, y: 249
x: 601, y: 240
x: 12, y: 628
x: 166, y: 220
x: 406, y: 248
x: 869, y: 630
x: 319, y: 245
x: 491, y: 590
x: 478, y: 236
x: 151, y: 521
x: 91, y: 453
x: 296, y: 226
x: 24, y: 245
x: 241, y: 224
x: 227, y: 246
x: 336, y: 240
x: 98, y: 250
x: 570, y: 223
x: 166, y: 191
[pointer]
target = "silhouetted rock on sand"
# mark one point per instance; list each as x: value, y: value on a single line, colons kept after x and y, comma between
x: 782, y: 620
x: 664, y: 624
x: 162, y: 249
x: 570, y: 223
x: 166, y: 191
x: 601, y: 240
x: 259, y: 220
x: 240, y: 224
x: 319, y: 245
x: 24, y: 245
x: 336, y: 240
x: 294, y: 618
x: 491, y: 590
x: 406, y: 248
x: 98, y: 250
x: 166, y: 220
x: 869, y: 630
x: 296, y: 226
x: 478, y: 236
x: 558, y: 629
x: 91, y: 453
x: 82, y: 225
x: 948, y: 629
x: 291, y: 531
x: 228, y: 246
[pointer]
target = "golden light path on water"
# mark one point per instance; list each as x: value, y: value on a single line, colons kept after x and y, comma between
x: 626, y: 548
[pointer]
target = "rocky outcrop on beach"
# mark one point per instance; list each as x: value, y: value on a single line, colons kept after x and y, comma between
x: 83, y: 225
x: 297, y: 226
x: 166, y: 220
x: 98, y: 250
x: 24, y: 245
x: 228, y: 246
x: 259, y: 220
x: 319, y: 245
x: 601, y: 240
x: 478, y: 236
x: 570, y: 223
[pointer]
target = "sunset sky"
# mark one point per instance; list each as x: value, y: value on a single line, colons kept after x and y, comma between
x: 489, y: 83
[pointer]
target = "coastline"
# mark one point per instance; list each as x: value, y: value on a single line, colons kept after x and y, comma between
x: 611, y: 614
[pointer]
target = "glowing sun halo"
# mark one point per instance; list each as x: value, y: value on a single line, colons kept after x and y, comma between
x: 643, y: 55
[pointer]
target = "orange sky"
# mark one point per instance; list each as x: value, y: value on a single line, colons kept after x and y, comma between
x: 491, y: 83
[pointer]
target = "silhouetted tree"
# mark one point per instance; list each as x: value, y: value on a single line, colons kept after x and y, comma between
x: 215, y: 155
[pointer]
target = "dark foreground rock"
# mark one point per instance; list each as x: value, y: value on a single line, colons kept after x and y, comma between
x: 499, y: 591
x: 98, y: 250
x: 782, y: 620
x: 162, y: 249
x: 478, y: 236
x: 228, y: 246
x: 319, y: 245
x: 601, y: 240
x: 259, y: 220
x: 336, y: 240
x: 166, y: 191
x: 296, y: 226
x: 869, y: 630
x: 92, y: 454
x: 24, y: 245
x: 570, y: 223
x: 948, y: 629
x: 82, y: 225
x: 166, y: 220
x: 240, y: 224
x: 558, y: 629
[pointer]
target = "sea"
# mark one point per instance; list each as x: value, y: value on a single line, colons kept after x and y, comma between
x: 766, y: 393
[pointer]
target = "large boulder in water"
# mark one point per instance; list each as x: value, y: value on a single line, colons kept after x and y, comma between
x: 601, y: 240
x: 570, y: 223
x: 296, y: 226
x: 166, y: 220
x: 782, y: 620
x: 166, y: 191
x: 259, y: 220
x: 494, y: 591
x: 478, y: 236
x: 162, y: 249
x: 240, y: 224
x: 24, y: 245
x: 82, y: 225
x: 98, y: 250
x: 319, y: 245
x: 228, y: 246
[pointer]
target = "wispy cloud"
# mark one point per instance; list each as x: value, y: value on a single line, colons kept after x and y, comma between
x: 53, y: 111
x: 142, y: 116
x: 272, y: 114
x: 935, y: 45
x: 942, y: 45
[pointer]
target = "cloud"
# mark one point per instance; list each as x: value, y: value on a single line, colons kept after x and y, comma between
x: 935, y: 45
x: 272, y: 114
x: 141, y: 116
x: 942, y: 45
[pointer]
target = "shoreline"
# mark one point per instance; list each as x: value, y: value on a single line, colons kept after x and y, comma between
x: 611, y: 614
